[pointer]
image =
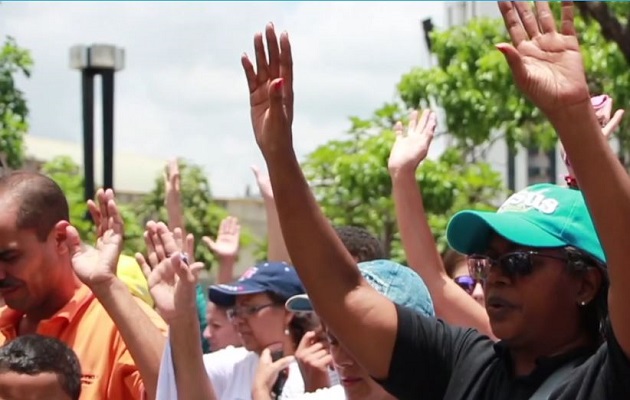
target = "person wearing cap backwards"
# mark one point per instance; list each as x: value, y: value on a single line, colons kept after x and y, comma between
x: 255, y: 305
x: 545, y: 274
x: 399, y: 284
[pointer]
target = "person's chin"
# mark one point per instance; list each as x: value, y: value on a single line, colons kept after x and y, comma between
x: 249, y: 343
x: 358, y: 390
x: 505, y: 330
x: 15, y: 301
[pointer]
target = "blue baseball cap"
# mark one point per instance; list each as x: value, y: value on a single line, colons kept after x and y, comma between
x: 397, y: 282
x: 279, y: 278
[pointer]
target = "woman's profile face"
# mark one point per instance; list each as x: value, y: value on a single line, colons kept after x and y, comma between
x: 461, y: 276
x: 258, y: 321
x: 220, y: 332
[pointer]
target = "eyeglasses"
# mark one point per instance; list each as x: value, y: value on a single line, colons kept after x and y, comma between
x: 467, y: 282
x: 518, y: 263
x: 245, y: 311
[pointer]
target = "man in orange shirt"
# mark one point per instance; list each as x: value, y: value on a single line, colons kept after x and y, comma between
x: 54, y: 286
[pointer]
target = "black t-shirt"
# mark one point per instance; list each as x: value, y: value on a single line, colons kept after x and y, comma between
x: 433, y: 360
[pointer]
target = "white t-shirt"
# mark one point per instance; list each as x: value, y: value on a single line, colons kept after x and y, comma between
x: 335, y: 392
x: 231, y: 372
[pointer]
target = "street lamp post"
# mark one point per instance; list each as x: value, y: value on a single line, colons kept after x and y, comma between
x: 103, y: 60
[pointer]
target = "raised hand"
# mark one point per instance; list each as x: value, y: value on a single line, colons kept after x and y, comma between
x: 546, y: 64
x: 609, y: 123
x: 267, y: 373
x: 412, y: 146
x: 172, y: 180
x: 271, y: 90
x: 264, y: 184
x: 228, y: 238
x: 170, y: 278
x: 314, y: 358
x: 97, y: 265
x: 613, y: 123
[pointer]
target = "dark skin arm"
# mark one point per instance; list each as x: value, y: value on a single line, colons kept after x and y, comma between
x: 548, y: 68
x: 357, y: 314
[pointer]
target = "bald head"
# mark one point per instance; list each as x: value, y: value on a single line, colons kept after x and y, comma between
x: 37, y: 199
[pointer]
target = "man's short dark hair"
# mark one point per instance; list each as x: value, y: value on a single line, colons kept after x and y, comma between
x: 40, y: 201
x: 360, y: 243
x: 36, y: 354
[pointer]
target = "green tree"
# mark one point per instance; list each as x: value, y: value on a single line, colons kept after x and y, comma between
x: 352, y: 184
x: 68, y: 176
x: 14, y: 61
x: 474, y: 86
x: 612, y: 18
x: 202, y: 214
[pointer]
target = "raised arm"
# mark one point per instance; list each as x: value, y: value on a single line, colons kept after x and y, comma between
x: 226, y: 248
x: 411, y: 147
x: 548, y: 68
x: 96, y: 267
x: 172, y: 196
x: 172, y: 284
x: 357, y: 314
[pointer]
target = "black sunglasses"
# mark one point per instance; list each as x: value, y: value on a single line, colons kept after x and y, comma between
x: 518, y: 263
x: 467, y: 282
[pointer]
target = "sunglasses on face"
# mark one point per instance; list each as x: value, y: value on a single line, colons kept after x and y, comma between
x: 467, y: 282
x: 518, y: 263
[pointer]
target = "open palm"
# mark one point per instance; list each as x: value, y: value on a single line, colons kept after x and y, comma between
x: 228, y: 238
x: 171, y: 280
x: 95, y: 265
x: 270, y: 83
x: 412, y: 146
x: 546, y: 64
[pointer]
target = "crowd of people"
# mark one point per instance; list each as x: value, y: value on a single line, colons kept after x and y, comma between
x: 528, y: 302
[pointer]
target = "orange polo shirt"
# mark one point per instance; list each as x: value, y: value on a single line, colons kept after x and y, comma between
x: 108, y: 371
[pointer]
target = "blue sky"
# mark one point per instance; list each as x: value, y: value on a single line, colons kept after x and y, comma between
x: 182, y: 92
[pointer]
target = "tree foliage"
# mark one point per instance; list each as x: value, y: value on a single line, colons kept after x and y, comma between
x: 473, y: 84
x: 352, y: 184
x: 202, y: 214
x: 612, y: 18
x: 14, y: 61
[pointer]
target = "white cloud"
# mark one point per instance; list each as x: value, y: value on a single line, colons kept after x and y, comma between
x: 183, y: 93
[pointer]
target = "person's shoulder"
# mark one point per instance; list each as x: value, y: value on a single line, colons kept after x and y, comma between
x: 230, y: 353
x: 228, y: 362
x: 130, y: 273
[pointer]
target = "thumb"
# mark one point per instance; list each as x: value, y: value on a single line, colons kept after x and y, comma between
x: 283, y: 363
x: 185, y: 273
x: 513, y: 59
x: 73, y: 240
x: 613, y: 124
x: 209, y: 242
x: 265, y: 356
x: 306, y: 340
x: 195, y: 269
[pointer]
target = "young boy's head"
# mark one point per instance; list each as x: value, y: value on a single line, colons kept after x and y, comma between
x: 38, y: 367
